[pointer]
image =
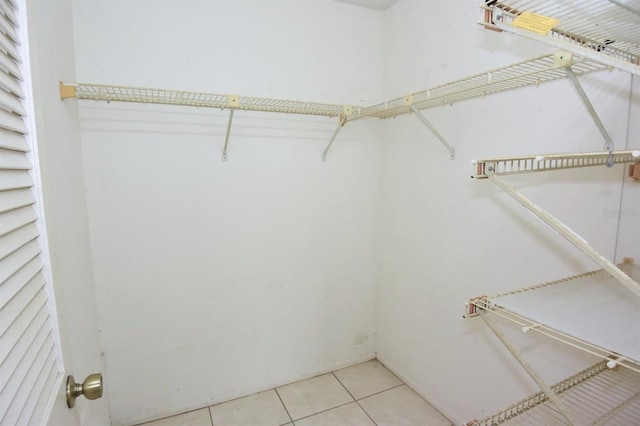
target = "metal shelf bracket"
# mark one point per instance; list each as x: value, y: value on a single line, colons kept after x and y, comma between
x: 563, y: 59
x: 421, y: 117
x: 532, y: 373
x: 234, y: 102
x: 569, y: 234
x: 66, y: 91
x: 226, y: 138
x: 342, y: 121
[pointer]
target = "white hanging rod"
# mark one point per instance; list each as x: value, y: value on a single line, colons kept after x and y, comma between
x: 604, y: 31
x: 542, y: 163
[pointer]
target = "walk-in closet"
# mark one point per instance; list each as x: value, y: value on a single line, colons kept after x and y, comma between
x: 319, y: 212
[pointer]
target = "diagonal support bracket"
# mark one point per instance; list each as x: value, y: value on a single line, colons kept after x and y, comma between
x: 569, y: 235
x: 587, y: 103
x: 226, y: 138
x: 532, y: 373
x: 341, y: 123
x: 234, y: 102
x: 452, y: 152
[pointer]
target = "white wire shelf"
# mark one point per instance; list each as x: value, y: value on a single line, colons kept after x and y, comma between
x: 602, y: 30
x: 541, y: 163
x: 590, y: 312
x: 595, y: 396
x: 527, y: 73
x: 108, y: 93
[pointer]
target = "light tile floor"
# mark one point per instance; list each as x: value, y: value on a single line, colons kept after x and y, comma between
x: 363, y: 395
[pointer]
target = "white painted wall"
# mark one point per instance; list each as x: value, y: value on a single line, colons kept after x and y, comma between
x: 215, y: 280
x: 447, y: 238
x: 629, y: 209
x: 60, y: 155
x: 219, y: 279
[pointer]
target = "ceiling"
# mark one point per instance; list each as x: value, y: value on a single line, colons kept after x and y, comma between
x: 370, y: 4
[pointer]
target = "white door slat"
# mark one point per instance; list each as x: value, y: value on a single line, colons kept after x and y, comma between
x: 13, y: 160
x: 16, y: 239
x: 13, y: 141
x: 44, y: 383
x: 23, y: 378
x: 15, y: 179
x: 11, y: 200
x: 49, y: 388
x: 19, y: 349
x: 24, y: 348
x: 12, y: 122
x: 8, y: 10
x: 15, y: 219
x: 8, y: 46
x: 13, y: 331
x: 19, y: 302
x: 18, y: 259
x: 7, y: 27
x: 10, y: 85
x: 46, y: 356
x: 10, y: 66
x: 12, y: 286
x: 11, y: 102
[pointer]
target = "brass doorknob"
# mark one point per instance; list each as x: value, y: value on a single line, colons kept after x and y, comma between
x: 91, y: 388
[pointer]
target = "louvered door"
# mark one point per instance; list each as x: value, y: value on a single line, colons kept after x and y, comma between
x: 30, y: 368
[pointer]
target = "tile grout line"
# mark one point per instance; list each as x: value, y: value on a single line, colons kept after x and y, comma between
x: 354, y: 398
x: 324, y: 411
x: 283, y: 405
x: 383, y: 391
x: 365, y: 411
x: 210, y: 415
x: 343, y: 386
x: 432, y: 406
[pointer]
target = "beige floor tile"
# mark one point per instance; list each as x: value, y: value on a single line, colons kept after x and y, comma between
x: 314, y: 395
x: 365, y: 379
x: 401, y: 406
x: 346, y: 415
x: 192, y: 418
x: 262, y: 409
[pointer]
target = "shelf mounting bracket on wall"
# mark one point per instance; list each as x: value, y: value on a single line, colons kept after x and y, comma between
x: 408, y: 99
x: 563, y: 59
x: 342, y: 121
x: 234, y: 102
